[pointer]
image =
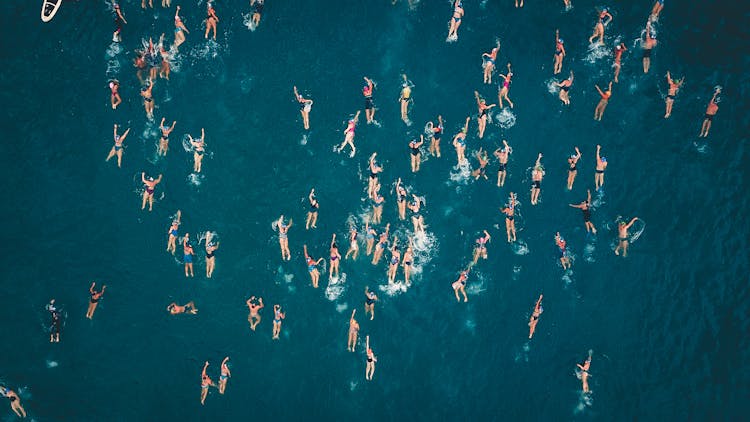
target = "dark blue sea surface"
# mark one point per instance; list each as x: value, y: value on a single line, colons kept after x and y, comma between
x: 668, y: 325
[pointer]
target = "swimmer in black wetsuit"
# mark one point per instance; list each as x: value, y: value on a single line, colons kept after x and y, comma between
x: 585, y: 207
x: 416, y: 153
x: 573, y: 167
x: 483, y: 159
x: 199, y: 148
x: 622, y: 231
x: 648, y: 45
x: 369, y: 105
x: 510, y: 224
x: 211, y: 248
x: 117, y: 148
x: 674, y: 86
x: 257, y: 6
x: 437, y: 133
x: 56, y: 324
x: 370, y: 299
x: 305, y: 105
x: 502, y: 154
x: 312, y: 213
x: 564, y: 93
x: 482, y: 108
x: 601, y: 165
x: 537, y: 173
x: 371, y: 359
x: 15, y: 401
x: 94, y: 300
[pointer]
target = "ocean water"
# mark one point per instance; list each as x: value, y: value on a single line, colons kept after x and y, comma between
x: 668, y: 326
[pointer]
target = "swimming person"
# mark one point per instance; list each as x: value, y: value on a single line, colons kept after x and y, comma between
x: 405, y: 99
x: 205, y: 383
x: 375, y: 169
x: 225, y: 374
x: 535, y: 316
x: 353, y: 330
x: 460, y: 284
x: 562, y: 246
x: 211, y: 248
x: 380, y: 246
x: 564, y: 86
x: 179, y: 28
x: 622, y: 232
x: 401, y: 199
x: 502, y: 154
x: 199, y: 148
x: 148, y: 99
x: 305, y: 105
x: 284, y: 238
x: 312, y: 267
x: 537, y: 173
x: 599, y: 27
x: 455, y: 22
x: 601, y: 165
x: 503, y: 91
x: 349, y: 135
x: 573, y: 167
x: 393, y: 263
x: 510, y: 211
x: 187, y: 253
x: 56, y: 321
x: 371, y: 359
x: 488, y: 62
x: 278, y: 316
x: 483, y: 159
x: 335, y: 258
x: 559, y: 52
x: 118, y: 147
x: 619, y: 49
x: 94, y: 299
x: 713, y: 107
x: 188, y: 308
x: 173, y: 232
x: 15, y: 401
x: 674, y: 86
x: 312, y: 212
x: 257, y: 6
x: 211, y: 20
x: 482, y: 108
x: 437, y: 132
x: 377, y: 206
x: 164, y: 140
x: 480, y: 250
x: 165, y: 64
x: 353, y: 250
x: 407, y: 262
x: 647, y: 45
x: 599, y: 110
x: 114, y: 97
x: 370, y: 299
x: 416, y: 153
x: 148, y: 193
x: 585, y: 207
x: 584, y: 375
x: 369, y: 105
x: 459, y: 142
x: 416, y: 219
x: 370, y: 234
x: 255, y: 305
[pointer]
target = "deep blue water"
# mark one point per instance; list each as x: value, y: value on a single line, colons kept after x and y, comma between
x: 668, y: 326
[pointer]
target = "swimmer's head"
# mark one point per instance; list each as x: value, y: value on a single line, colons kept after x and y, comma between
x: 561, y: 41
x: 573, y: 156
x: 604, y: 159
x: 150, y: 179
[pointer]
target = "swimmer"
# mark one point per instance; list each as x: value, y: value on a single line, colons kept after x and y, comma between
x: 283, y: 238
x: 416, y: 219
x: 488, y: 62
x: 187, y: 253
x: 15, y: 401
x: 312, y: 212
x: 148, y: 99
x: 559, y: 52
x: 674, y: 86
x: 601, y: 165
x: 510, y: 211
x: 370, y: 235
x: 482, y: 108
x: 713, y: 107
x: 647, y: 45
x: 537, y: 173
x: 225, y: 374
x: 257, y: 6
x: 312, y: 267
x: 459, y: 142
x: 401, y: 199
x: 503, y: 91
x: 381, y: 245
x: 405, y: 99
x: 179, y: 28
x: 349, y: 135
x: 535, y: 316
x: 211, y: 248
x: 393, y: 263
x: 483, y: 161
x: 114, y: 98
x: 369, y: 105
x: 480, y: 250
x: 335, y: 258
x: 353, y: 250
x: 188, y: 308
x: 94, y: 300
x: 199, y: 148
x: 165, y: 64
x: 278, y: 316
x: 172, y: 232
x: 205, y: 383
x: 573, y: 167
x: 622, y: 232
x: 305, y: 105
x: 255, y: 305
x: 407, y: 262
x: 599, y: 111
x: 502, y: 154
x: 585, y: 373
x: 437, y: 132
x: 139, y: 62
x: 211, y: 20
x: 455, y: 22
x: 377, y: 206
x: 658, y: 6
x: 564, y: 86
x: 56, y: 324
x: 460, y: 284
x: 561, y: 245
x: 416, y: 153
x: 599, y: 27
x: 164, y: 140
x: 118, y: 146
x: 618, y: 57
x: 371, y: 359
x: 353, y: 330
x: 370, y: 299
x: 148, y: 193
x: 375, y: 169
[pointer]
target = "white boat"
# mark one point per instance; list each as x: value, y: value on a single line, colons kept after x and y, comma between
x: 49, y: 8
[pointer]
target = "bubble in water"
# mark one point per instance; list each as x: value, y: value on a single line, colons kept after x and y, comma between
x: 393, y: 289
x: 520, y: 248
x: 460, y: 174
x: 336, y: 287
x: 505, y: 118
x: 51, y: 364
x: 195, y: 179
x: 341, y: 307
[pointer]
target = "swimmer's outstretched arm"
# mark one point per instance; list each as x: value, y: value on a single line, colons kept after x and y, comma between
x: 466, y: 125
x: 627, y: 226
x: 539, y: 160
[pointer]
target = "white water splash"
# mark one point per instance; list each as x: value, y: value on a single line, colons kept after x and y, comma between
x: 520, y: 247
x: 336, y: 287
x: 504, y: 118
x: 461, y: 173
x: 51, y: 364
